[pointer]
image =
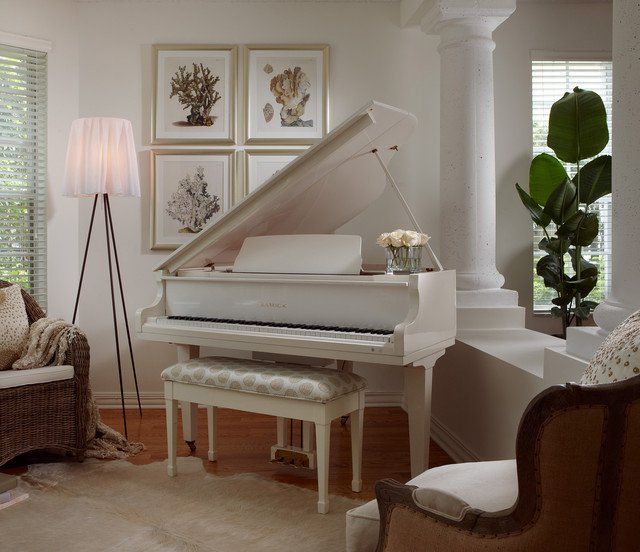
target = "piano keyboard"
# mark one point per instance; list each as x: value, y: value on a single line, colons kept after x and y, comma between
x: 280, y: 328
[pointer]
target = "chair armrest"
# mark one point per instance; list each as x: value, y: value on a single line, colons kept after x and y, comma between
x: 407, y: 523
x: 78, y: 356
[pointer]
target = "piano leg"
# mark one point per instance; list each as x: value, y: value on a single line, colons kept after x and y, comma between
x: 344, y: 366
x: 417, y: 390
x: 189, y: 410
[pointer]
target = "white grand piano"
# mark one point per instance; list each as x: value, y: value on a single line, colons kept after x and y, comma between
x: 270, y: 276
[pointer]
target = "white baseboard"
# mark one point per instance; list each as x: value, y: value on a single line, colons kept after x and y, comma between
x: 450, y: 443
x: 106, y: 399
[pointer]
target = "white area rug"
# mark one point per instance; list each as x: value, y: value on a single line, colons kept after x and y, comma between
x: 102, y: 506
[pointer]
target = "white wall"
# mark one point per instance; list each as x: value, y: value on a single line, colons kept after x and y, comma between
x: 55, y: 20
x: 371, y: 57
x: 533, y: 27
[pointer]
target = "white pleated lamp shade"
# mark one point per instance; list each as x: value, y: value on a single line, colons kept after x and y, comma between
x: 101, y: 158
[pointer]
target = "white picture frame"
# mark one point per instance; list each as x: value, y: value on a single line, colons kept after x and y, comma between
x: 273, y: 117
x: 174, y: 122
x: 260, y: 165
x: 176, y: 217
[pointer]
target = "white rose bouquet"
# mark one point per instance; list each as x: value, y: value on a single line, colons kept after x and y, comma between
x: 403, y: 250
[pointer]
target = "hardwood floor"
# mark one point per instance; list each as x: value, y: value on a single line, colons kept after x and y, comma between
x: 245, y: 439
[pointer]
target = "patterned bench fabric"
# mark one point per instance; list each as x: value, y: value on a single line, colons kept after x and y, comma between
x: 266, y: 378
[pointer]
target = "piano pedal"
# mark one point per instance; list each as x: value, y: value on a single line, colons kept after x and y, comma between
x: 293, y: 456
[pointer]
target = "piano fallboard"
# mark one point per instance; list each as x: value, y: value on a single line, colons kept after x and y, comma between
x: 315, y: 299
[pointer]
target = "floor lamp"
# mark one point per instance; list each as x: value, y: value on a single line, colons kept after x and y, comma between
x: 102, y: 161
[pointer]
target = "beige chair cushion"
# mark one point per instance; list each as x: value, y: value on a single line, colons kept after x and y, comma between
x: 46, y: 374
x: 618, y: 358
x: 14, y: 323
x: 267, y: 378
x: 449, y: 490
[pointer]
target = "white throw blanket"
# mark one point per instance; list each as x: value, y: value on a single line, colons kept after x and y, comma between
x: 48, y: 343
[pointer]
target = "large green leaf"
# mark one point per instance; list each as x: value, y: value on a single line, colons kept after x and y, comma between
x: 586, y: 268
x: 581, y: 228
x: 578, y: 126
x: 545, y: 174
x: 595, y: 179
x: 583, y: 285
x: 554, y: 246
x: 562, y: 202
x: 549, y: 268
x: 536, y: 212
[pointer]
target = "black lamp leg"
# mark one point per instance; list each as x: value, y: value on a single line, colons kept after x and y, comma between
x: 124, y: 308
x: 84, y: 259
x: 113, y: 310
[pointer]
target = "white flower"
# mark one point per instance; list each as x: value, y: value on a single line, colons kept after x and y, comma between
x: 410, y: 238
x: 395, y: 238
x: 424, y: 238
x: 383, y: 239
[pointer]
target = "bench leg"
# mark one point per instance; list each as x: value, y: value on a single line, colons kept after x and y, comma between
x: 323, y: 445
x: 172, y: 436
x: 212, y: 415
x: 357, y: 418
x: 189, y: 424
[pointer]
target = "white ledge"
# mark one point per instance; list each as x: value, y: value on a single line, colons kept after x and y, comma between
x: 519, y: 347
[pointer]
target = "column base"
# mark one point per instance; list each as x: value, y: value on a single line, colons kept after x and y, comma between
x: 497, y: 297
x: 610, y: 313
x: 489, y: 309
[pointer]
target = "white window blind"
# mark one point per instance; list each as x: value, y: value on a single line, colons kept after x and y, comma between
x: 23, y: 165
x: 550, y: 80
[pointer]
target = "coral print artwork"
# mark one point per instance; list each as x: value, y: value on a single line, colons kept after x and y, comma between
x: 286, y: 94
x: 191, y: 205
x: 190, y: 190
x: 195, y: 95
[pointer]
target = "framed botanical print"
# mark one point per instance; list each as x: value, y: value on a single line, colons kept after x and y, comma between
x: 190, y: 188
x: 194, y: 94
x: 261, y: 165
x: 286, y: 93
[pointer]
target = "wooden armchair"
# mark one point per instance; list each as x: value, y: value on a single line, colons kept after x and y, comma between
x: 45, y: 414
x: 578, y: 474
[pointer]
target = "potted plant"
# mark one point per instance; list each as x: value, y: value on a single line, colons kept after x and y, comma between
x: 560, y: 204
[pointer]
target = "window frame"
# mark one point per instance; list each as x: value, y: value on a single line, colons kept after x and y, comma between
x: 33, y: 194
x: 562, y: 56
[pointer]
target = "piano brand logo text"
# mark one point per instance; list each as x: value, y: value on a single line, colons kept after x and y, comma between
x: 272, y: 305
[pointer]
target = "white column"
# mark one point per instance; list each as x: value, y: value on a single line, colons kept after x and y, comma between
x: 625, y: 291
x: 467, y: 141
x: 624, y: 297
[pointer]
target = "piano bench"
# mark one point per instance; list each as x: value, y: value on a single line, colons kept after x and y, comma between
x: 316, y: 395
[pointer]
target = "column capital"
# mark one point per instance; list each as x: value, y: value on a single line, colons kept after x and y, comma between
x: 475, y: 15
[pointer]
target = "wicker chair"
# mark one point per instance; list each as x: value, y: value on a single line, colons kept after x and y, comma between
x: 49, y: 415
x: 578, y: 483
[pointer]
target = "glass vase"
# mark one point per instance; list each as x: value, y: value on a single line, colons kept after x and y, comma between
x: 403, y: 260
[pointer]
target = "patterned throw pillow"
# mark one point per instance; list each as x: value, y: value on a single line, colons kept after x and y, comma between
x: 14, y: 325
x: 618, y: 358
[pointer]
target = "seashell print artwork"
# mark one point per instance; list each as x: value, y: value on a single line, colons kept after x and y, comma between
x: 268, y: 69
x: 291, y: 90
x: 268, y: 112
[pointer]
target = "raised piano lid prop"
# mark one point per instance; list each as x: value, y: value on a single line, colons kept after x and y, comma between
x: 300, y: 292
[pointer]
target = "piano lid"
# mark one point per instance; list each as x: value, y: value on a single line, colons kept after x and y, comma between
x: 316, y: 193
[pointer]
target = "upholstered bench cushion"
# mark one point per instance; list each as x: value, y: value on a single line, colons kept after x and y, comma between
x: 266, y: 378
x: 449, y: 490
x: 17, y: 378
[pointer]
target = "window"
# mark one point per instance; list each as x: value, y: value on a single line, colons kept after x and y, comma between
x: 23, y: 124
x: 550, y: 80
